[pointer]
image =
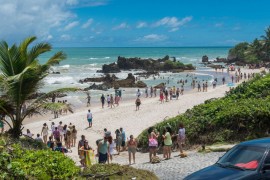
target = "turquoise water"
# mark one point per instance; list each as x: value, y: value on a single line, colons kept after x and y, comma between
x: 84, y: 62
x: 99, y: 56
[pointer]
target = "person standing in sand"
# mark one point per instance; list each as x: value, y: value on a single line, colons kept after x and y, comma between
x: 108, y: 100
x: 73, y: 136
x: 112, y: 149
x: 88, y: 99
x: 103, y: 150
x: 80, y: 145
x: 138, y: 103
x: 132, y: 148
x: 112, y: 101
x: 44, y: 132
x: 161, y: 96
x: 181, y: 137
x: 89, y: 118
x: 153, y: 143
x: 168, y: 142
x: 60, y: 129
x: 102, y: 99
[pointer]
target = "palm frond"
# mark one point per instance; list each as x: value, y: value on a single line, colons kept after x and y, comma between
x: 56, y: 58
x: 48, y: 95
x: 37, y: 50
x: 57, y: 107
x: 24, y: 45
x: 6, y: 107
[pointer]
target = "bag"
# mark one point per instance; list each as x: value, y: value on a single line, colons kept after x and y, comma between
x: 155, y: 159
x: 153, y: 142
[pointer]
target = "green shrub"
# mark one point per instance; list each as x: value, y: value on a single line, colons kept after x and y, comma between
x: 115, y: 171
x: 19, y: 163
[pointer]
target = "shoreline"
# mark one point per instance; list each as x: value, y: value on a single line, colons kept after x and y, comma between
x: 133, y: 122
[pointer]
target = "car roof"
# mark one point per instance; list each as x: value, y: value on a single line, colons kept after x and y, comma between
x: 262, y: 142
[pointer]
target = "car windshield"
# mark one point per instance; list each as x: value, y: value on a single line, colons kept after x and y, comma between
x: 243, y: 157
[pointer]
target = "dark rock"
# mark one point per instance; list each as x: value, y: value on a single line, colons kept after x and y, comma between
x: 103, y: 87
x: 144, y: 64
x: 141, y: 84
x: 177, y: 70
x: 205, y: 59
x: 107, y: 78
x: 97, y: 79
x: 221, y: 60
x: 111, y: 68
x: 161, y: 85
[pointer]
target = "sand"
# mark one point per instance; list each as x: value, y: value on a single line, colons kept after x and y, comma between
x: 133, y: 122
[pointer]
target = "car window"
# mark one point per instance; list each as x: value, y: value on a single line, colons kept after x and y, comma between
x: 244, y: 156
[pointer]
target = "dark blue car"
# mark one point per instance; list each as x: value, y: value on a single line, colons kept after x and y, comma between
x: 248, y: 160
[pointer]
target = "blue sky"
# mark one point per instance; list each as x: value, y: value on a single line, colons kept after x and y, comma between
x: 134, y: 23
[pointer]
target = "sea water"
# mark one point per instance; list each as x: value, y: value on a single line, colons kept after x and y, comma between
x: 84, y: 62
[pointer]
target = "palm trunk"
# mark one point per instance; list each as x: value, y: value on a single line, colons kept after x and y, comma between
x: 16, y: 130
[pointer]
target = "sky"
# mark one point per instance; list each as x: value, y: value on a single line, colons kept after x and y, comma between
x: 134, y: 23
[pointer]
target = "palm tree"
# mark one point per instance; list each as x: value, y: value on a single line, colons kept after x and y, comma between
x: 21, y: 76
x: 254, y: 54
x: 266, y: 47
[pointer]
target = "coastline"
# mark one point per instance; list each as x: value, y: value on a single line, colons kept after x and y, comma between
x: 133, y: 122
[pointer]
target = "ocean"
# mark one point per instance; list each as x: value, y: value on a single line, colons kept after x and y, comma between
x: 84, y: 62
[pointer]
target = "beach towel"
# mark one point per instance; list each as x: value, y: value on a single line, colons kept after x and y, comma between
x: 90, y: 158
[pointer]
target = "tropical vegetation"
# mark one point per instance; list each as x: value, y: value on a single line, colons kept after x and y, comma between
x: 21, y: 77
x: 255, y: 52
x: 116, y: 171
x: 242, y: 114
x: 29, y: 159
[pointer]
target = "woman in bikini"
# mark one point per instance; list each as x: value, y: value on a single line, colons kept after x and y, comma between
x: 132, y: 146
x: 153, y: 142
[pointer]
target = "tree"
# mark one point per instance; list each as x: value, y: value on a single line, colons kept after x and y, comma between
x: 21, y: 77
x: 237, y: 53
x: 254, y: 52
x: 266, y: 45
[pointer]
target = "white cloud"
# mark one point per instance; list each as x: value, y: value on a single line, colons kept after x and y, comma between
x: 65, y: 37
x: 88, y: 23
x: 20, y: 19
x: 141, y: 25
x: 71, y: 25
x: 120, y: 26
x: 49, y: 37
x: 174, y: 29
x: 86, y: 3
x: 152, y: 38
x: 172, y: 22
x: 218, y: 24
x: 72, y: 2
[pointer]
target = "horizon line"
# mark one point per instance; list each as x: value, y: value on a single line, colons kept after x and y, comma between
x: 143, y: 47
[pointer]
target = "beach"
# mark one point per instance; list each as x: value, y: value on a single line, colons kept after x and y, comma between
x: 125, y: 116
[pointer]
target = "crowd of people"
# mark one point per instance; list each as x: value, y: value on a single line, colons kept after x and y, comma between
x: 63, y: 137
x: 167, y: 141
x: 107, y: 147
x: 58, y: 137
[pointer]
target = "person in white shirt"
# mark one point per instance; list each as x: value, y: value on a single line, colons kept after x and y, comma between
x: 60, y: 129
x: 29, y: 134
x: 181, y: 137
x: 89, y: 118
x: 38, y: 138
